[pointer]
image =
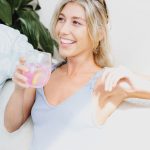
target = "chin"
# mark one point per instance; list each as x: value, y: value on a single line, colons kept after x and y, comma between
x: 66, y: 53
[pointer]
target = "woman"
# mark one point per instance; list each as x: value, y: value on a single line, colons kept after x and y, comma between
x: 82, y: 91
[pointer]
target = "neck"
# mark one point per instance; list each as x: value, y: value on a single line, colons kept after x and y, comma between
x: 76, y: 66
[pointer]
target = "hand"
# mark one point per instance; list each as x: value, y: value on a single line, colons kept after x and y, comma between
x: 106, y: 102
x: 117, y: 76
x: 111, y: 77
x: 111, y: 90
x: 19, y: 79
x: 114, y: 86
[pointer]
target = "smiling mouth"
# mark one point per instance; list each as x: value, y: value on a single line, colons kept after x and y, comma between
x: 64, y: 41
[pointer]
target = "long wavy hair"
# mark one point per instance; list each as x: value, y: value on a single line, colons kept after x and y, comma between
x: 97, y: 20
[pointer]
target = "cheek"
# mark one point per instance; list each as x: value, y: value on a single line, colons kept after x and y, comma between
x: 86, y: 39
x: 84, y: 35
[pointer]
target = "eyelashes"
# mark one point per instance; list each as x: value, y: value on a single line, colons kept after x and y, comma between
x: 74, y: 22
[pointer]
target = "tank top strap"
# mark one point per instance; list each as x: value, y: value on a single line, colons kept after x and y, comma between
x: 95, y: 78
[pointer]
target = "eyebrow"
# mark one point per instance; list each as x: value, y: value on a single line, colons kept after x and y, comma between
x: 74, y: 17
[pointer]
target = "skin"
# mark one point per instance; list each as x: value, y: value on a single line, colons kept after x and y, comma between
x: 116, y: 85
x: 72, y: 28
x: 74, y: 45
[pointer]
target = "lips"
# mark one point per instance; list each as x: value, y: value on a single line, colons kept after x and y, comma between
x: 66, y: 41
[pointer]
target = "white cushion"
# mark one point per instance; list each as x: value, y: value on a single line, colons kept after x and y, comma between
x: 128, y: 128
x: 20, y: 139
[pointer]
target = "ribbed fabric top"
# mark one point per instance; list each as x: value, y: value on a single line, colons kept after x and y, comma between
x: 67, y: 126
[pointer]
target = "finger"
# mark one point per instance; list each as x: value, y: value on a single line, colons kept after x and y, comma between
x: 106, y: 110
x: 116, y: 77
x: 116, y: 80
x: 22, y: 60
x: 123, y: 73
x: 19, y: 76
x: 109, y: 80
x: 106, y: 72
x: 21, y: 68
x: 20, y: 84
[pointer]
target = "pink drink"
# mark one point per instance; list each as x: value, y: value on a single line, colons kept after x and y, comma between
x: 37, y: 75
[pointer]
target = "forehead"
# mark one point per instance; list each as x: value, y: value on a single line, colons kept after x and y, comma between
x: 73, y: 9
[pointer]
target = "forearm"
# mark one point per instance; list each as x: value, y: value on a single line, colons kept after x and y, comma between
x: 13, y: 112
x: 17, y: 110
x: 142, y: 89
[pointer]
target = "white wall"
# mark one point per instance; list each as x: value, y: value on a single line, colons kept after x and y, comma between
x: 47, y: 8
x: 129, y: 31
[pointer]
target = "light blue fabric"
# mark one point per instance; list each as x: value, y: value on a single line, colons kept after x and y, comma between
x: 67, y: 126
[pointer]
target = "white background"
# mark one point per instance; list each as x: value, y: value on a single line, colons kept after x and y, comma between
x: 129, y: 31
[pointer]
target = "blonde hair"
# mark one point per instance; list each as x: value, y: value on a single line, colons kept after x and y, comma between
x: 97, y: 20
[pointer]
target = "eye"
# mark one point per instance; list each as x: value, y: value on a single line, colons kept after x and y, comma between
x: 60, y: 19
x: 76, y: 22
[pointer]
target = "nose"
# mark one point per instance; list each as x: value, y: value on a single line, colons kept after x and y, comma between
x: 65, y: 29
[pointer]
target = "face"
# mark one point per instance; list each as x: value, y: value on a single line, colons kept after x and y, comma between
x: 72, y: 31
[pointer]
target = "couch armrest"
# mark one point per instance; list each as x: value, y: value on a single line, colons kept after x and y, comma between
x: 20, y: 139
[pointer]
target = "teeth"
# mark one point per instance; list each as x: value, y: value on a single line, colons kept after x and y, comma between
x: 66, y: 41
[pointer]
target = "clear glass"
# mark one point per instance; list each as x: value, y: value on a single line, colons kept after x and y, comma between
x: 39, y: 68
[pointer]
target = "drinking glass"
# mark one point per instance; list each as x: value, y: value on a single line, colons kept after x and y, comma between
x: 39, y: 68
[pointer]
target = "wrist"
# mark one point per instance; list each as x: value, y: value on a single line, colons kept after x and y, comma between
x: 19, y: 89
x: 142, y: 91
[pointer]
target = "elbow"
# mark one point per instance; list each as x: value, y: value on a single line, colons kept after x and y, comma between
x: 10, y: 127
x: 10, y: 130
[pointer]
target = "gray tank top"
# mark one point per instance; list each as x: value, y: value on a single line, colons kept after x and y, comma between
x: 67, y: 126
